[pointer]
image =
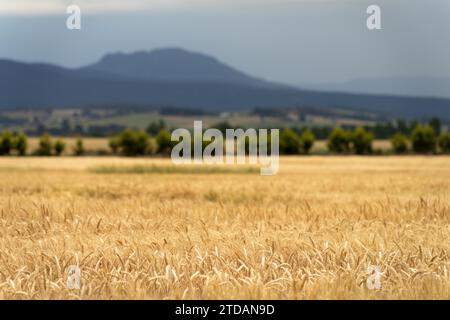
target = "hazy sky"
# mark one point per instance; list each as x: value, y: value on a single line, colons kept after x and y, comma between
x: 293, y: 41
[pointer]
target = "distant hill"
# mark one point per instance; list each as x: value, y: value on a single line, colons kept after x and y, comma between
x: 174, y: 65
x: 406, y: 86
x: 175, y: 77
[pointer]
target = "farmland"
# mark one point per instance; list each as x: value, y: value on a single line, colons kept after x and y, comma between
x: 309, y: 232
x: 100, y: 145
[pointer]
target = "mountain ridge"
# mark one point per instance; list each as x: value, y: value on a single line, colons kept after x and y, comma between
x: 431, y: 87
x: 172, y: 83
x: 173, y: 64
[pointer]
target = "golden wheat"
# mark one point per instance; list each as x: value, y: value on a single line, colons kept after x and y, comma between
x: 308, y: 233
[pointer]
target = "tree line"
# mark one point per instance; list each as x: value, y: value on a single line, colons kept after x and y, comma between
x: 16, y: 143
x: 422, y: 140
x: 157, y: 140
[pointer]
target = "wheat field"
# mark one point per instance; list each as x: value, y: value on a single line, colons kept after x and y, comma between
x: 309, y: 232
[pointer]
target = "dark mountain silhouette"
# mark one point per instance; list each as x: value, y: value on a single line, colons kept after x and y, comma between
x: 178, y: 78
x: 173, y: 64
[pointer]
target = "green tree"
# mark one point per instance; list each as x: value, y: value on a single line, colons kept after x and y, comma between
x: 402, y: 127
x: 114, y: 144
x: 141, y: 142
x: 6, y: 143
x: 339, y: 140
x: 78, y: 150
x: 151, y: 149
x: 362, y: 141
x: 130, y: 143
x: 289, y: 142
x: 59, y: 147
x: 399, y: 143
x: 127, y: 143
x: 21, y: 143
x: 307, y: 140
x: 412, y: 125
x: 164, y: 142
x: 155, y: 127
x: 435, y: 123
x: 423, y: 139
x: 45, y: 145
x: 444, y: 142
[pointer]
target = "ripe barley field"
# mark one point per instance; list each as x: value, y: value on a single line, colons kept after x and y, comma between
x: 141, y: 229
